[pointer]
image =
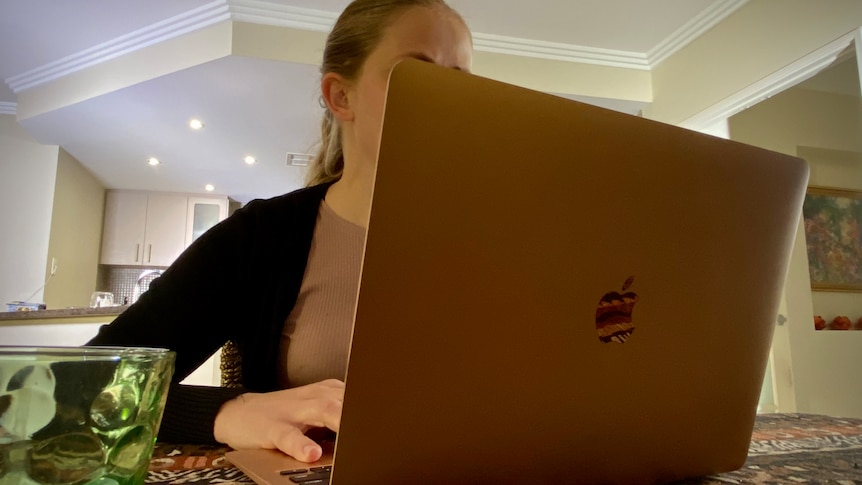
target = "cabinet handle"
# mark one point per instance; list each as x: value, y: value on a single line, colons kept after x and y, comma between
x: 137, y: 251
x: 150, y: 254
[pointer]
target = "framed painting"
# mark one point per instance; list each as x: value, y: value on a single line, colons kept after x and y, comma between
x: 833, y: 234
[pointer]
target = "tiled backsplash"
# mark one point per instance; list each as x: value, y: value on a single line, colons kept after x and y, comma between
x: 121, y: 281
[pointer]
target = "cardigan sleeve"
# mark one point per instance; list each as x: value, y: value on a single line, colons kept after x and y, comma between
x: 190, y: 413
x: 188, y: 310
x: 256, y: 256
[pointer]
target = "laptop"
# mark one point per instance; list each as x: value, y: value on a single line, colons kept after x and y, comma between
x: 554, y: 292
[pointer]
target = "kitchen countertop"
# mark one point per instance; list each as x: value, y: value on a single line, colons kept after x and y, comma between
x: 76, y: 313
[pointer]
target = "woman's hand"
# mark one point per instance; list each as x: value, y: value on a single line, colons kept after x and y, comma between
x: 279, y: 420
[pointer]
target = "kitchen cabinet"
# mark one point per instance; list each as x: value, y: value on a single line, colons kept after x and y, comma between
x: 152, y: 228
x: 143, y: 229
x: 52, y: 328
x: 123, y: 231
x: 165, y: 236
x: 49, y: 335
x: 204, y: 213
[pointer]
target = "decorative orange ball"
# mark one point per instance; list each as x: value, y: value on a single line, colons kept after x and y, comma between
x: 819, y: 322
x: 841, y: 323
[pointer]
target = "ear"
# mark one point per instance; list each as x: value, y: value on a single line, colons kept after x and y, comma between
x: 334, y: 88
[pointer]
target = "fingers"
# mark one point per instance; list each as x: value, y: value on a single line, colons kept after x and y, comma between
x: 280, y: 419
x: 334, y: 383
x: 293, y: 442
x: 322, y: 413
x: 332, y: 387
x: 321, y: 406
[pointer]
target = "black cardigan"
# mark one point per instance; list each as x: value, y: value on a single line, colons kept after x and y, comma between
x: 238, y: 281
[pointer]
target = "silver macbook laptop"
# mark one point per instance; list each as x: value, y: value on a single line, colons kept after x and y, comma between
x: 555, y: 293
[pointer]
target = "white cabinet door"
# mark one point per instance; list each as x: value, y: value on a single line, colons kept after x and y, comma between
x: 204, y: 213
x: 75, y: 334
x: 165, y: 234
x: 49, y: 335
x: 123, y: 234
x: 143, y: 228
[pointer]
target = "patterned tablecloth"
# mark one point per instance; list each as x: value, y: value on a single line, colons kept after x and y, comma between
x: 785, y: 448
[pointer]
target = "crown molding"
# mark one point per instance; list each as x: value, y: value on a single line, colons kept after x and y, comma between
x: 560, y: 52
x: 192, y: 20
x: 8, y: 108
x: 693, y: 29
x: 261, y: 12
x: 775, y: 83
x: 267, y: 13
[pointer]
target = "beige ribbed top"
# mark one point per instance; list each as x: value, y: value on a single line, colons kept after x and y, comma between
x: 316, y: 336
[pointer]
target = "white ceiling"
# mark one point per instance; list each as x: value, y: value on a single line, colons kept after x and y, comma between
x: 260, y: 107
x: 36, y: 32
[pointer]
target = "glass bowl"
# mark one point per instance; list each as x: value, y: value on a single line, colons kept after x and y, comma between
x: 80, y: 415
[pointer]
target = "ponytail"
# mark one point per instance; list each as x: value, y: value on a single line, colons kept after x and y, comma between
x: 328, y: 163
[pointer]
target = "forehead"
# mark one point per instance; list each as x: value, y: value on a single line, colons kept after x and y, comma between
x: 435, y: 33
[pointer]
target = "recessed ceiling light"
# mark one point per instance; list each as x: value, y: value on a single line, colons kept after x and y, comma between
x: 196, y: 124
x: 153, y: 161
x: 209, y: 187
x: 249, y: 160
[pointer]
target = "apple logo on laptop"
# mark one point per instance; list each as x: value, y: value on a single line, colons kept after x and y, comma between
x: 614, y: 314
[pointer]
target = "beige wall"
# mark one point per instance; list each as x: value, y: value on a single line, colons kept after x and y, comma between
x: 277, y: 43
x: 27, y: 174
x: 803, y: 118
x: 824, y: 129
x: 756, y: 41
x: 834, y: 167
x: 561, y: 77
x: 564, y: 77
x: 76, y: 234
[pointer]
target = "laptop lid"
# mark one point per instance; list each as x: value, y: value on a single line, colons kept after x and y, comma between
x: 554, y: 292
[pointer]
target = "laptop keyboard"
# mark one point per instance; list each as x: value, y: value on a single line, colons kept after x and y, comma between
x: 318, y: 475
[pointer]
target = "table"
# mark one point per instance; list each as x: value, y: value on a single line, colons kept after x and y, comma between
x: 785, y: 448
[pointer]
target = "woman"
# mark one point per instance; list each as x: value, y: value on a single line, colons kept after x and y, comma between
x: 294, y: 260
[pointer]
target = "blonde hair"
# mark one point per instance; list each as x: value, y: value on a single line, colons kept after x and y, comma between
x: 356, y: 33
